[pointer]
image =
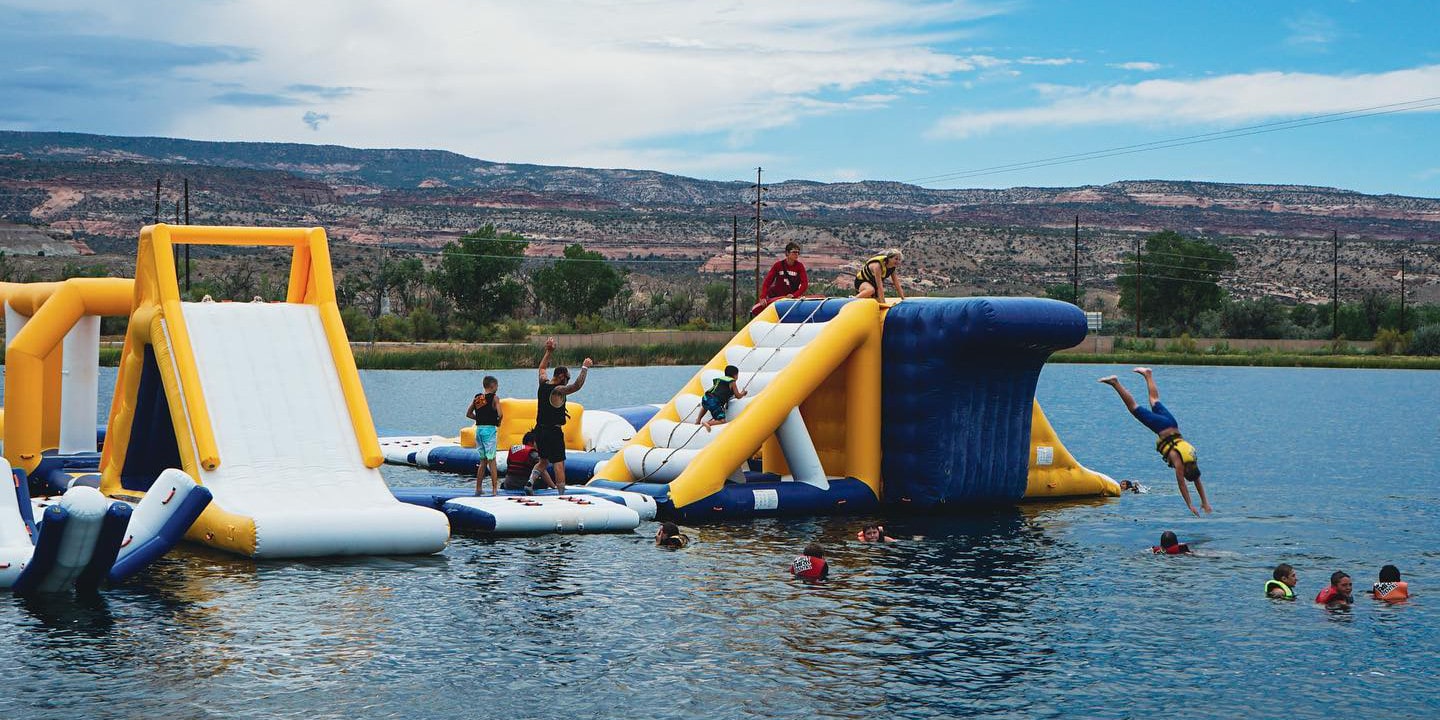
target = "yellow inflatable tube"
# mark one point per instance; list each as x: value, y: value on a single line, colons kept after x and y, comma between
x: 1054, y: 472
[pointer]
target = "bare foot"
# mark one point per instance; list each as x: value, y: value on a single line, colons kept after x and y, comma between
x: 1110, y: 380
x: 1143, y: 371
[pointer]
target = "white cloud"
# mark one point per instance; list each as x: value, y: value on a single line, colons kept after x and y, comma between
x: 549, y: 81
x: 1224, y: 99
x: 1311, y: 31
x: 1137, y: 66
x: 1047, y: 61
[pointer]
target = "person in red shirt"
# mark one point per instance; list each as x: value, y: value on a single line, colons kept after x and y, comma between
x: 786, y: 279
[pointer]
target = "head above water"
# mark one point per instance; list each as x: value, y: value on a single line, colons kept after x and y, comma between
x: 814, y: 550
x: 1341, y: 581
x: 1389, y: 573
x: 1284, y: 573
x: 872, y: 532
x: 669, y: 529
x: 1169, y: 539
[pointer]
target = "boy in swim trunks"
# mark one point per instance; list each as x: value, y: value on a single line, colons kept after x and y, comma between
x: 1177, y: 453
x: 485, y: 411
x: 718, y: 397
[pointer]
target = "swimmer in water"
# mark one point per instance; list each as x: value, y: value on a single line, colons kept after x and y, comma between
x: 811, y: 565
x: 1133, y: 486
x: 1390, y: 588
x: 1173, y: 449
x: 669, y: 536
x: 873, y: 534
x: 1282, y: 582
x: 1337, y: 595
x: 1170, y: 545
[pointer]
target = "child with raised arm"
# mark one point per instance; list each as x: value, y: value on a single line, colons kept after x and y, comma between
x: 1173, y: 449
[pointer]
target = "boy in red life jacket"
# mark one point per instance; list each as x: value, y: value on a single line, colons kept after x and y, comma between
x: 1170, y: 545
x: 1391, y: 588
x: 520, y: 470
x: 811, y: 565
x: 1338, y: 594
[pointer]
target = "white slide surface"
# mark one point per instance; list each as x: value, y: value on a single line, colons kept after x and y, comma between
x: 288, y: 453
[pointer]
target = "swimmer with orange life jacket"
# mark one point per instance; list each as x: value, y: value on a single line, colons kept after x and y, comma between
x: 1338, y: 594
x: 811, y: 565
x: 873, y: 533
x: 1390, y: 588
x: 1170, y: 545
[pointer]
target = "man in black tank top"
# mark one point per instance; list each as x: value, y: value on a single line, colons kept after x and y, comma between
x: 550, y: 414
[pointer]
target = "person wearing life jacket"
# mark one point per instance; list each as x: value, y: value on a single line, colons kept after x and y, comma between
x: 550, y: 413
x: 520, y: 473
x: 1281, y: 585
x: 1174, y: 450
x: 873, y: 534
x: 718, y: 397
x: 485, y: 411
x: 786, y: 279
x: 811, y: 565
x: 1170, y: 545
x: 669, y: 536
x: 870, y: 279
x: 1390, y: 588
x: 1338, y: 593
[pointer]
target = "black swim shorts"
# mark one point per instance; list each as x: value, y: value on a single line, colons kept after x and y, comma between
x: 550, y: 442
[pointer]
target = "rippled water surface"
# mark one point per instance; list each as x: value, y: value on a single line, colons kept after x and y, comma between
x: 1037, y: 611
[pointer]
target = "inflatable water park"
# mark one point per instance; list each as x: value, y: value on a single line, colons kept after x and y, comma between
x: 244, y: 426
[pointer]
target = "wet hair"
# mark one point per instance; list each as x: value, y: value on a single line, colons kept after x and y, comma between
x: 528, y: 438
x: 814, y: 550
x: 489, y: 382
x: 1389, y: 573
x: 1281, y: 571
x: 561, y: 370
x: 1192, y: 472
x: 669, y: 529
x: 1168, y: 539
x: 792, y: 246
x: 1337, y: 576
x: 732, y: 372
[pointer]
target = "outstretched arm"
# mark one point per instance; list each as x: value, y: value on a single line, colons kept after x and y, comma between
x: 579, y: 380
x: 545, y: 359
x: 895, y: 280
x: 1180, y: 480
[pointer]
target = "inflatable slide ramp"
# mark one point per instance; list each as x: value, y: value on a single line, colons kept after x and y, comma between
x: 261, y: 402
x: 799, y: 363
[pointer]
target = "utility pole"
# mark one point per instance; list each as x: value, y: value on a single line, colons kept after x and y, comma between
x: 1403, y: 261
x: 175, y: 249
x: 1075, y: 273
x: 759, y: 203
x: 734, y: 271
x: 1137, y: 288
x: 157, y: 201
x: 1334, y: 285
x: 187, y: 245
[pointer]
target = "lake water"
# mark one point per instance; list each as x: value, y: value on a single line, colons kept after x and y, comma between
x: 1043, y: 610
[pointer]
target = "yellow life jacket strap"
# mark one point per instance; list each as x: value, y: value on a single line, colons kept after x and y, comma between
x: 1289, y: 593
x: 1174, y: 442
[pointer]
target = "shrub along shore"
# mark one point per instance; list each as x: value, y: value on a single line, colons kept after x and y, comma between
x: 448, y: 356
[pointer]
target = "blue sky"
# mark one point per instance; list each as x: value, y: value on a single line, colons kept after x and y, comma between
x: 832, y: 90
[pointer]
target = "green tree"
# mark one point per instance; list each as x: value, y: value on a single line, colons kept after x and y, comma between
x: 1064, y: 292
x: 477, y: 272
x: 1263, y: 318
x: 580, y: 283
x: 1178, y: 280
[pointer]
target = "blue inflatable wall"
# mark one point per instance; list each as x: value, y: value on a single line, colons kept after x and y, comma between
x: 958, y: 382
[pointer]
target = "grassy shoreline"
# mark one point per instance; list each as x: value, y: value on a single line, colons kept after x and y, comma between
x: 441, y: 356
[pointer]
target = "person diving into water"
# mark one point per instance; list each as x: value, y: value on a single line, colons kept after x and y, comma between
x: 1176, y: 452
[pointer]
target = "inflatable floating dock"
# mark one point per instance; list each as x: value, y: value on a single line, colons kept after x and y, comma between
x: 581, y: 510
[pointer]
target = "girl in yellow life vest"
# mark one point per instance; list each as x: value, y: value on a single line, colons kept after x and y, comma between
x: 870, y: 280
x: 1173, y: 449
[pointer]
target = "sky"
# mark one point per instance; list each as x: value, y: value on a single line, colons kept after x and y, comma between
x: 942, y: 94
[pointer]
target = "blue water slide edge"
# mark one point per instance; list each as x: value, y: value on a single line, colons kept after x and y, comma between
x: 107, y: 546
x: 171, y: 532
x: 47, y: 549
x: 463, y: 517
x: 22, y: 498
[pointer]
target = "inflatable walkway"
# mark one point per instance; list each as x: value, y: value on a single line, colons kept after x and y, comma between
x: 927, y: 404
x: 262, y: 404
